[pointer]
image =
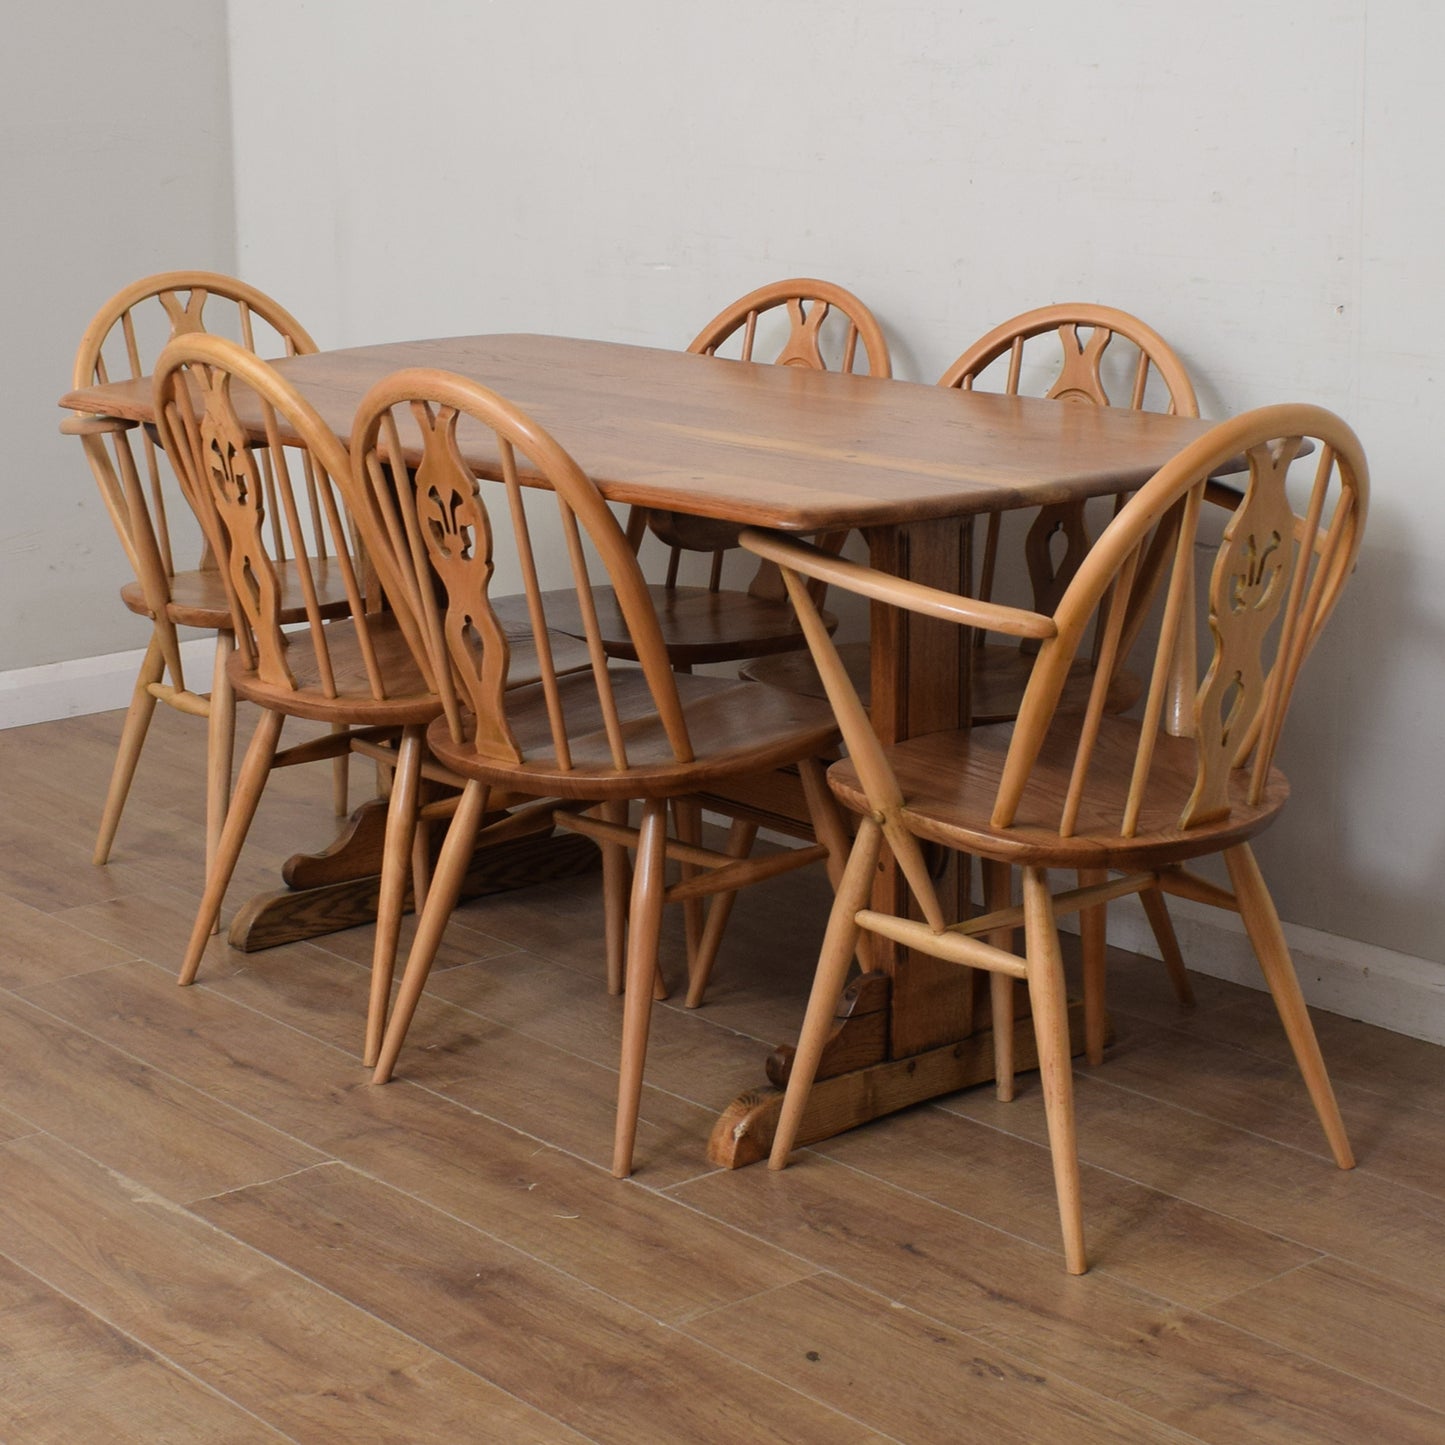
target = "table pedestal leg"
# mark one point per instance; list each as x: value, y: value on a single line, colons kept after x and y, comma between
x: 743, y: 1133
x: 337, y: 888
x: 918, y: 1027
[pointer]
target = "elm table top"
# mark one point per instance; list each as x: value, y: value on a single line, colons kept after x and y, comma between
x: 772, y: 446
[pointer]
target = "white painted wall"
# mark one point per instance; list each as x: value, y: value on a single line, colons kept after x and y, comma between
x: 114, y: 162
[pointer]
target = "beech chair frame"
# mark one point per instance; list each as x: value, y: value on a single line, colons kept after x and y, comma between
x: 583, y: 746
x: 1080, y: 380
x: 356, y: 673
x: 125, y: 461
x: 708, y: 623
x: 1000, y: 671
x: 1098, y: 793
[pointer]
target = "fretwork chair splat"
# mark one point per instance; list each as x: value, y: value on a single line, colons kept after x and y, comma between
x: 259, y: 504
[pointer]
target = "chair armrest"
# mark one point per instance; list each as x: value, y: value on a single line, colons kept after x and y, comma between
x: 811, y: 561
x: 89, y: 426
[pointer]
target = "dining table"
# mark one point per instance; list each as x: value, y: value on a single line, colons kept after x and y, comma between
x: 907, y: 465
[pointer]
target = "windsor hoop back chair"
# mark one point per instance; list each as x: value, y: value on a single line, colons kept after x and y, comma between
x: 822, y: 327
x: 279, y: 518
x: 122, y: 343
x: 1098, y: 792
x: 592, y: 740
x: 1080, y: 353
x: 798, y: 322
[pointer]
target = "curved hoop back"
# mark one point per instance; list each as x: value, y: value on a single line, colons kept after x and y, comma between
x: 122, y: 343
x: 1277, y: 574
x: 1080, y: 375
x: 1073, y: 370
x: 231, y: 427
x: 443, y: 528
x: 808, y: 305
x: 824, y: 324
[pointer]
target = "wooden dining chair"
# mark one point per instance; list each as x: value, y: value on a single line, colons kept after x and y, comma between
x: 278, y: 522
x: 595, y: 740
x: 798, y: 322
x: 1073, y: 352
x: 1127, y: 801
x: 121, y: 344
x: 1097, y: 356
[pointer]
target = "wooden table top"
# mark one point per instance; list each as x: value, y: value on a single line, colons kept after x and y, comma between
x: 774, y: 446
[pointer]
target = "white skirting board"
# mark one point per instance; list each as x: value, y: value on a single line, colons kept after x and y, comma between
x: 89, y: 684
x: 1397, y: 991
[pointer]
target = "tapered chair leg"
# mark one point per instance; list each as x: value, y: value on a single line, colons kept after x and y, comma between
x: 700, y: 961
x: 998, y: 894
x: 391, y: 899
x: 1049, y: 1002
x: 687, y: 825
x: 132, y: 739
x: 1094, y: 938
x: 446, y: 888
x: 830, y: 828
x: 420, y: 856
x: 220, y: 746
x: 643, y: 931
x: 1261, y: 922
x: 340, y: 778
x: 1157, y: 912
x: 616, y: 886
x: 840, y: 942
x: 249, y: 787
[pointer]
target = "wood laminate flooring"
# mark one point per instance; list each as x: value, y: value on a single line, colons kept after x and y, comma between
x: 213, y: 1228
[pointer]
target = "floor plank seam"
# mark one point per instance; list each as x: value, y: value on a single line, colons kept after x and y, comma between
x: 1012, y: 1355
x: 642, y: 1315
x: 380, y: 1320
x: 1304, y: 1354
x: 148, y: 1349
x: 1274, y: 1061
x: 510, y: 1246
x: 1323, y: 1158
x: 177, y: 1079
x: 1098, y: 1267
